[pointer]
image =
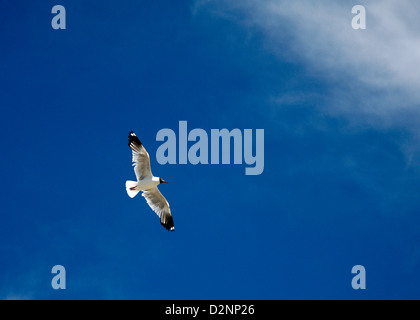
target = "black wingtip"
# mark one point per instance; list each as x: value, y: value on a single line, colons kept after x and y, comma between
x: 133, y: 138
x: 168, y: 224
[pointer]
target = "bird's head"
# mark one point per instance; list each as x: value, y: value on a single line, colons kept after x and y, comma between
x: 162, y: 181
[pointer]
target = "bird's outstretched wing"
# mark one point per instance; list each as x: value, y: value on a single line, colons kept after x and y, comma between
x: 141, y: 159
x: 158, y: 203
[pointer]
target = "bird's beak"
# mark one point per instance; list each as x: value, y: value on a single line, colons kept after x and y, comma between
x: 163, y: 181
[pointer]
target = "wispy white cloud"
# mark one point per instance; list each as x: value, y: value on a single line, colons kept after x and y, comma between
x: 19, y: 296
x: 375, y: 71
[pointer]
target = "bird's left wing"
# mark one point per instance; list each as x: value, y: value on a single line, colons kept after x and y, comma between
x: 158, y: 203
x: 141, y: 159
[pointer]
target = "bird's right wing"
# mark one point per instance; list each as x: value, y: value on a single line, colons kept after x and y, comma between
x: 141, y: 159
x: 158, y: 203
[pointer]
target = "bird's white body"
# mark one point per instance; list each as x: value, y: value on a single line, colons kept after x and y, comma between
x: 147, y: 183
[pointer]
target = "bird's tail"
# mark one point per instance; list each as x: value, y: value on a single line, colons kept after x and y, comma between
x: 128, y: 185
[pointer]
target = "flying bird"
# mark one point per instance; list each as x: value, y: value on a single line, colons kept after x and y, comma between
x: 147, y: 183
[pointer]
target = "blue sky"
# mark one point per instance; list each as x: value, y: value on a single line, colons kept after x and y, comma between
x: 339, y: 109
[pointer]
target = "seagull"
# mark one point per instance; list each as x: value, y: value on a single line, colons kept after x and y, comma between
x: 147, y: 183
